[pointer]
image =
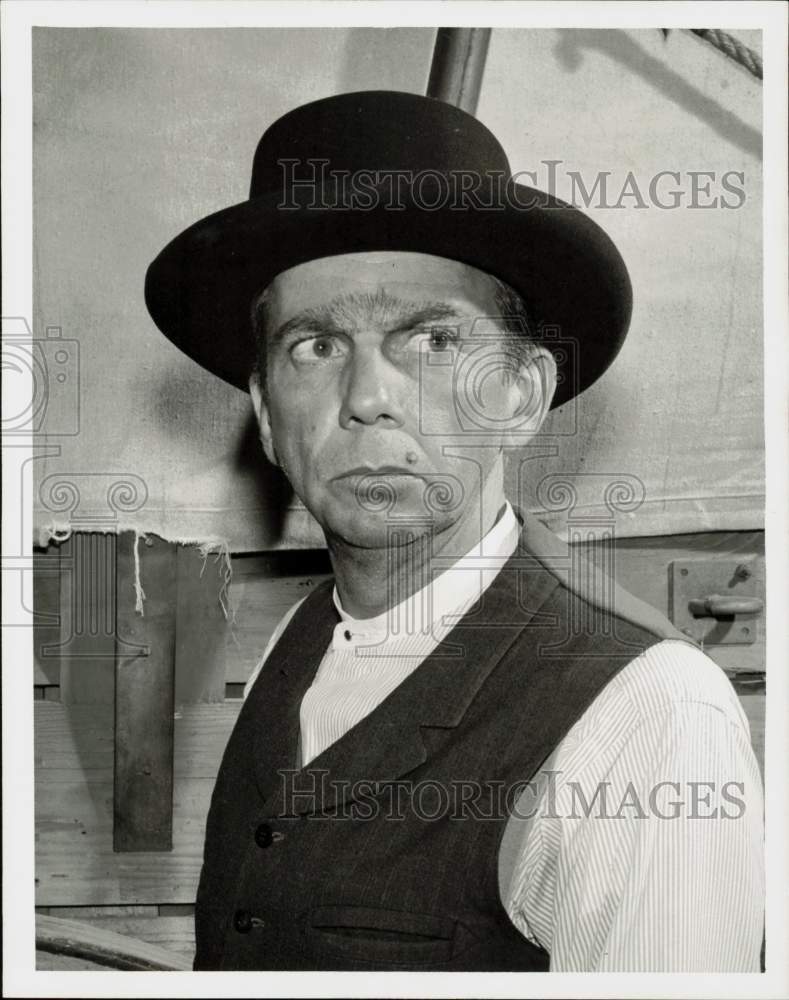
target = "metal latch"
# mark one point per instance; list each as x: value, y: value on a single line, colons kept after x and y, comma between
x: 724, y: 608
x: 718, y: 601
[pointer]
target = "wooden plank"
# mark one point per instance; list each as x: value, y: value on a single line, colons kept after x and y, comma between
x: 642, y: 567
x: 75, y: 861
x: 87, y: 615
x: 46, y: 618
x: 265, y: 586
x: 176, y: 910
x: 262, y: 589
x: 144, y: 699
x: 201, y: 627
x: 80, y: 939
x: 175, y: 934
x: 46, y: 962
x: 89, y: 912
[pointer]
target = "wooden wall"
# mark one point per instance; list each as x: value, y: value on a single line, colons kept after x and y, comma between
x: 150, y: 894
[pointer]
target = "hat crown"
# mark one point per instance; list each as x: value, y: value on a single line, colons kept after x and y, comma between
x: 375, y: 131
x: 200, y: 287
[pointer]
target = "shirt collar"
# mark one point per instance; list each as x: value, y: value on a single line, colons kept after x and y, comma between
x: 454, y: 587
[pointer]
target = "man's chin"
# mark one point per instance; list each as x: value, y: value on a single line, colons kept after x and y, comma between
x: 366, y: 530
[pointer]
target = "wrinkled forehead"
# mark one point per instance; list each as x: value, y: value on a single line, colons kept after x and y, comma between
x: 379, y: 280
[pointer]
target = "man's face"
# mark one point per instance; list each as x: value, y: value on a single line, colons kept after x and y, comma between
x: 387, y: 394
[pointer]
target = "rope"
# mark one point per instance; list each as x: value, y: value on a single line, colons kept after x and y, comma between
x: 732, y: 48
x: 729, y: 46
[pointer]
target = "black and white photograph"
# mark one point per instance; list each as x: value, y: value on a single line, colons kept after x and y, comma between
x: 395, y: 499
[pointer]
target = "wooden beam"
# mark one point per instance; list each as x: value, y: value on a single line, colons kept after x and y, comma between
x: 75, y: 860
x: 46, y: 616
x: 458, y: 64
x: 87, y: 619
x: 175, y: 933
x: 144, y: 697
x: 103, y: 947
x: 201, y: 626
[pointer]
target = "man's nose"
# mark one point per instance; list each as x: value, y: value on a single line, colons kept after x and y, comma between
x: 370, y: 392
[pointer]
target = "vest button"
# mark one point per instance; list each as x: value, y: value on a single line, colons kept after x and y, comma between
x: 264, y: 835
x: 242, y: 921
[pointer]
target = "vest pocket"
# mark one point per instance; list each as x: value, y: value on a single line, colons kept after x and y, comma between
x: 380, y: 936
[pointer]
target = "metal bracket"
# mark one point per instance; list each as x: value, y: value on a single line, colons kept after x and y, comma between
x: 718, y: 601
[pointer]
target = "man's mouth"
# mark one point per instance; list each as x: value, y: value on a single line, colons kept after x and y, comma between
x: 380, y: 470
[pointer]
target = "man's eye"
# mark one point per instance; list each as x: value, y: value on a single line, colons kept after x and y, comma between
x: 314, y: 349
x: 440, y: 339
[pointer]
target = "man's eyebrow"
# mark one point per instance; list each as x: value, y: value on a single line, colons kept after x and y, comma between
x: 327, y: 320
x: 308, y: 320
x: 433, y: 312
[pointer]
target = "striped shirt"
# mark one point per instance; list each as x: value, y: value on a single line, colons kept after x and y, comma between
x: 638, y: 846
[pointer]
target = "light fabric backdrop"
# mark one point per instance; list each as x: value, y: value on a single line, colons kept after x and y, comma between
x: 138, y: 133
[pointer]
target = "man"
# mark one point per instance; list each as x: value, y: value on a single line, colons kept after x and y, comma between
x: 458, y: 755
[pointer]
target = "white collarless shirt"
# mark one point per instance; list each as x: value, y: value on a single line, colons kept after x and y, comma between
x: 596, y: 868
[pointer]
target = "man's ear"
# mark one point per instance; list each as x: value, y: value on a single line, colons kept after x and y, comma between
x: 532, y: 390
x: 261, y: 409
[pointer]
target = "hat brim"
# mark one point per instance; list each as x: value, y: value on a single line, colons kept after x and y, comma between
x: 200, y: 288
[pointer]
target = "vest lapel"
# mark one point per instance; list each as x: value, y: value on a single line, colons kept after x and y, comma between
x: 389, y: 742
x: 275, y: 699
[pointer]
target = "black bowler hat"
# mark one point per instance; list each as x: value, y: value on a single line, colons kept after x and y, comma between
x: 382, y: 170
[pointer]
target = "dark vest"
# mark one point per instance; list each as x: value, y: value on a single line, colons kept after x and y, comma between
x: 382, y: 854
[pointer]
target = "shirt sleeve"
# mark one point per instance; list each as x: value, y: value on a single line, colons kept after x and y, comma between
x: 646, y: 853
